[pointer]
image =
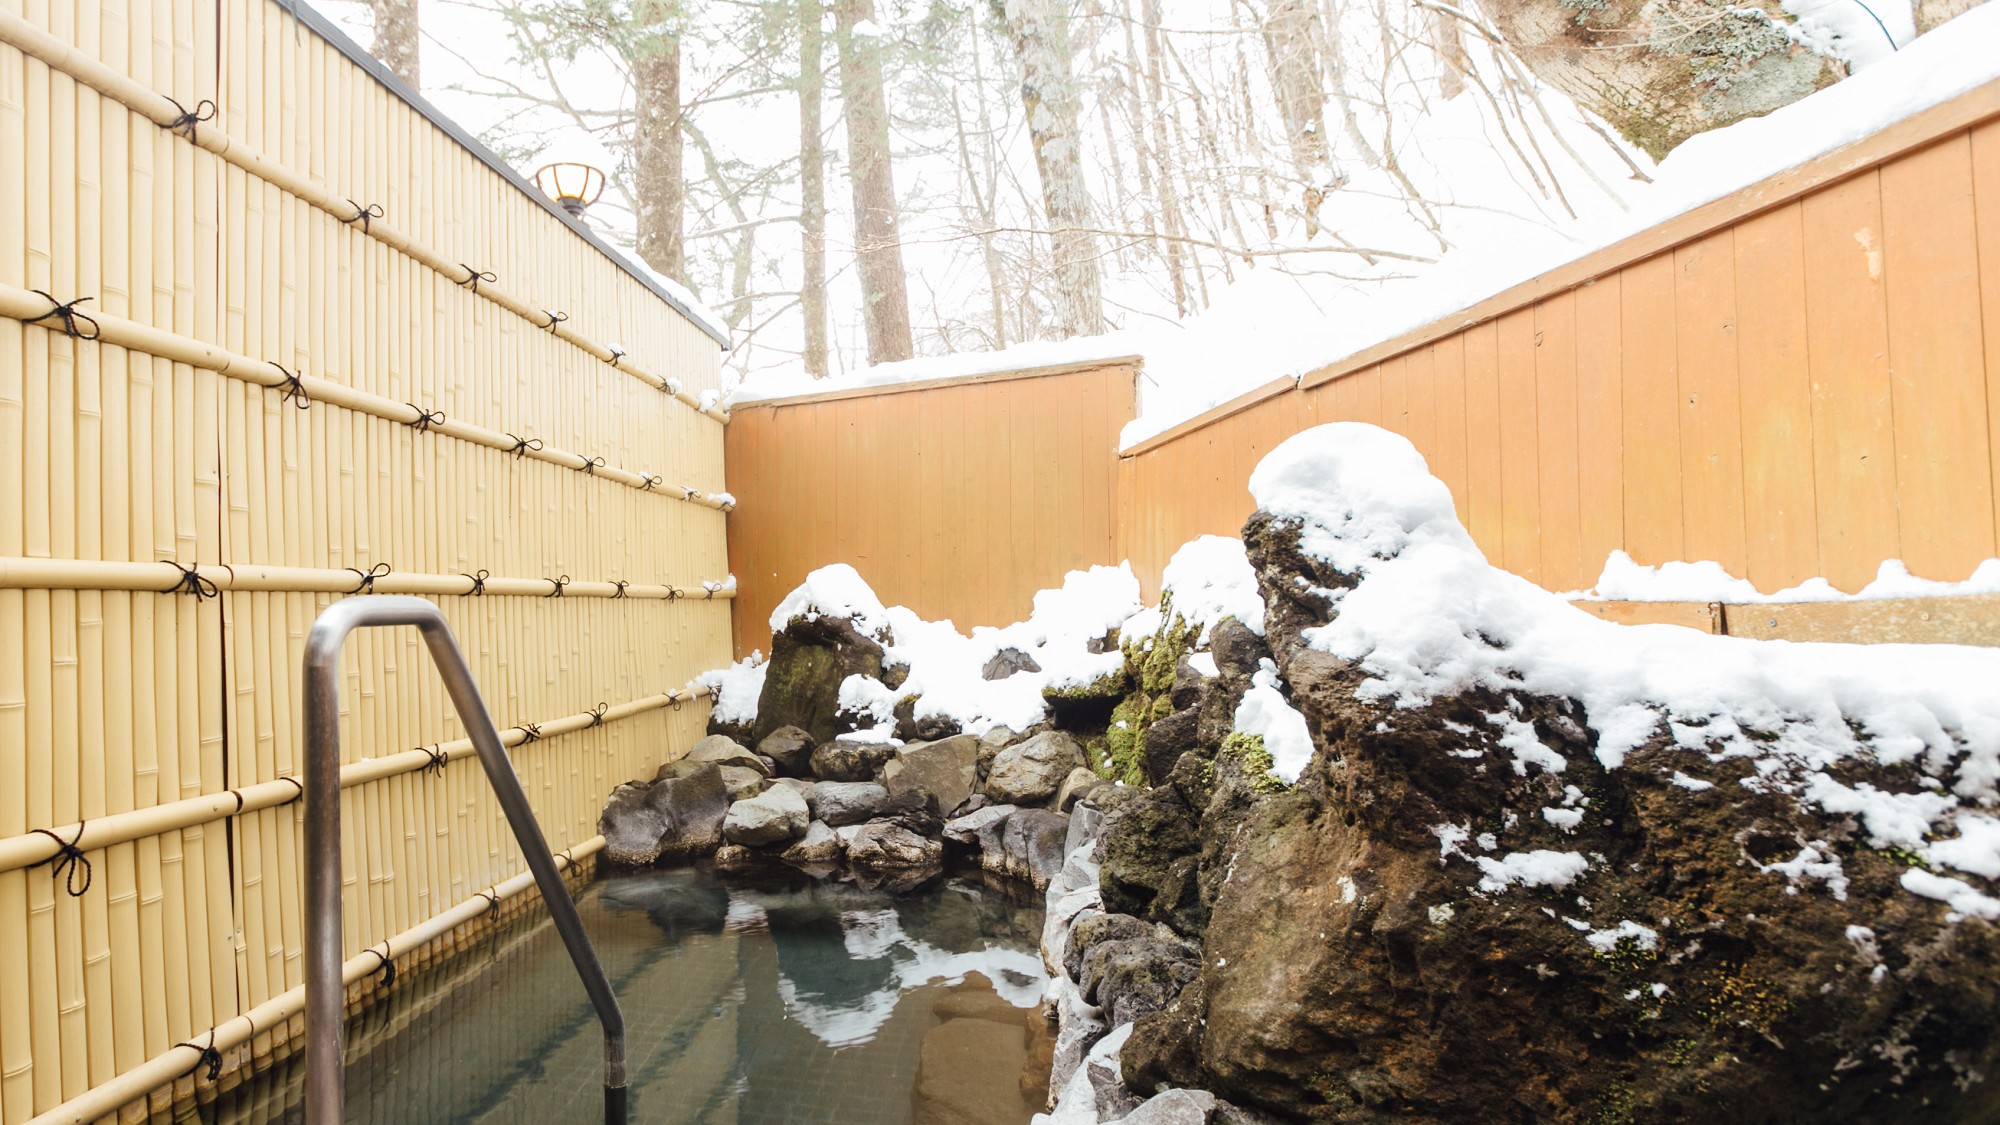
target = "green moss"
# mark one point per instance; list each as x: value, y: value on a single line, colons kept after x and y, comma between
x: 1680, y: 1052
x: 1615, y: 1106
x: 1249, y: 749
x: 1111, y: 685
x: 1627, y: 956
x: 1904, y: 856
x: 1125, y: 757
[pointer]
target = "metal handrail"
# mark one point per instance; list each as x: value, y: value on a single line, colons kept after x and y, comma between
x: 325, y: 990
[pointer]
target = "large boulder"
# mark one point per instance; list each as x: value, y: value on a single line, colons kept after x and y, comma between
x: 841, y: 803
x: 741, y: 781
x: 884, y: 845
x: 966, y: 829
x: 771, y: 817
x: 790, y: 748
x: 724, y: 751
x: 1029, y: 773
x: 850, y: 759
x: 947, y: 770
x: 820, y: 845
x: 1007, y: 662
x: 809, y: 659
x: 677, y: 816
x: 1534, y: 867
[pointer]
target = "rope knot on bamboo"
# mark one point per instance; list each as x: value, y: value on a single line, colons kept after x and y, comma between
x: 590, y: 465
x: 295, y: 783
x: 478, y: 583
x: 388, y: 966
x: 524, y: 445
x: 651, y: 482
x: 438, y: 760
x: 530, y: 732
x: 76, y: 324
x: 555, y: 318
x: 558, y: 582
x: 597, y: 713
x: 206, y: 1056
x: 368, y: 577
x: 473, y: 277
x: 363, y: 215
x: 68, y: 860
x: 621, y: 584
x: 675, y: 593
x: 617, y: 353
x: 425, y: 419
x: 294, y: 387
x: 191, y: 119
x: 191, y: 582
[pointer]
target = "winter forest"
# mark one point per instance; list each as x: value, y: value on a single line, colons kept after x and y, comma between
x: 862, y: 182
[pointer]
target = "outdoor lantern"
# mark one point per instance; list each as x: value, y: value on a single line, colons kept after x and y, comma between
x: 575, y: 186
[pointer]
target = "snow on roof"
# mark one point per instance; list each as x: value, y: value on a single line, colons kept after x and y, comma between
x: 1430, y: 618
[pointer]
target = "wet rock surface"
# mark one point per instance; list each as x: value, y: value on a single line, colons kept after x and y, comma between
x: 675, y: 817
x: 790, y: 749
x: 1030, y: 772
x: 809, y: 660
x: 850, y: 759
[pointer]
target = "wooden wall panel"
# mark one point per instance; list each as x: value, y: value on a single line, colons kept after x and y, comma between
x: 959, y: 501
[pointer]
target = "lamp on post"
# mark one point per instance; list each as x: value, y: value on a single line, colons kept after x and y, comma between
x: 575, y: 186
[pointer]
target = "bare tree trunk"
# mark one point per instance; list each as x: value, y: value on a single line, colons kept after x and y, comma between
x: 657, y: 181
x: 878, y: 240
x: 812, y: 186
x: 1291, y: 46
x: 1930, y: 13
x: 1164, y: 158
x: 1042, y: 44
x: 396, y: 38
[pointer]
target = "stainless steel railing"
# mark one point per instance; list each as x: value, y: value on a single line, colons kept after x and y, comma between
x: 325, y: 1009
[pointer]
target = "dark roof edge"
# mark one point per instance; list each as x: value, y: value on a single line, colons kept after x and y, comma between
x: 327, y: 30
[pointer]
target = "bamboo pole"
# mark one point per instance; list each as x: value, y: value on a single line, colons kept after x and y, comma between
x: 31, y: 307
x: 164, y: 112
x: 182, y: 1059
x: 18, y: 573
x: 29, y: 849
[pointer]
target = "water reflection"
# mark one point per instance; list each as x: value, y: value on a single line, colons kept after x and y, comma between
x: 786, y: 1001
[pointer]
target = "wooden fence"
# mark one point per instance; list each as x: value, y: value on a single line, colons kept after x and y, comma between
x: 1800, y: 379
x: 336, y: 348
x: 958, y: 499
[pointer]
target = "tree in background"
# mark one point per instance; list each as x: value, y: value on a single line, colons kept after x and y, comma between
x: 396, y: 38
x: 878, y: 239
x: 653, y: 45
x: 1048, y: 98
x: 812, y: 186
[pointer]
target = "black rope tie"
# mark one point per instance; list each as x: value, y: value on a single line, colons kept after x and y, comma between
x: 555, y: 318
x: 478, y: 584
x: 368, y: 577
x: 617, y: 353
x: 439, y: 759
x: 621, y: 584
x: 209, y: 1057
x: 76, y: 324
x: 597, y: 714
x: 715, y: 693
x: 674, y: 700
x: 363, y: 215
x: 425, y: 419
x: 492, y: 901
x: 191, y: 581
x: 68, y: 860
x: 590, y: 465
x: 296, y: 784
x: 531, y: 732
x: 294, y: 388
x: 652, y: 482
x: 674, y: 594
x: 191, y: 119
x: 473, y: 277
x: 388, y: 969
x: 238, y: 794
x: 558, y: 582
x: 525, y: 445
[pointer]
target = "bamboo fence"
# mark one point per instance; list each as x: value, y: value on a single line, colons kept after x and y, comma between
x: 268, y: 402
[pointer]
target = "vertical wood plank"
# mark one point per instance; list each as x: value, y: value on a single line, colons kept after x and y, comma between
x: 1712, y: 519
x: 1600, y: 423
x: 1482, y: 438
x: 1930, y: 264
x: 1651, y: 397
x: 1847, y: 335
x: 1782, y: 544
x: 1520, y: 459
x: 1558, y: 469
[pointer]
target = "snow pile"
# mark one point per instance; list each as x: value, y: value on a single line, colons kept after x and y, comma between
x: 1207, y: 580
x: 1624, y: 580
x: 1267, y: 714
x: 834, y: 591
x: 1430, y: 618
x: 736, y: 688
